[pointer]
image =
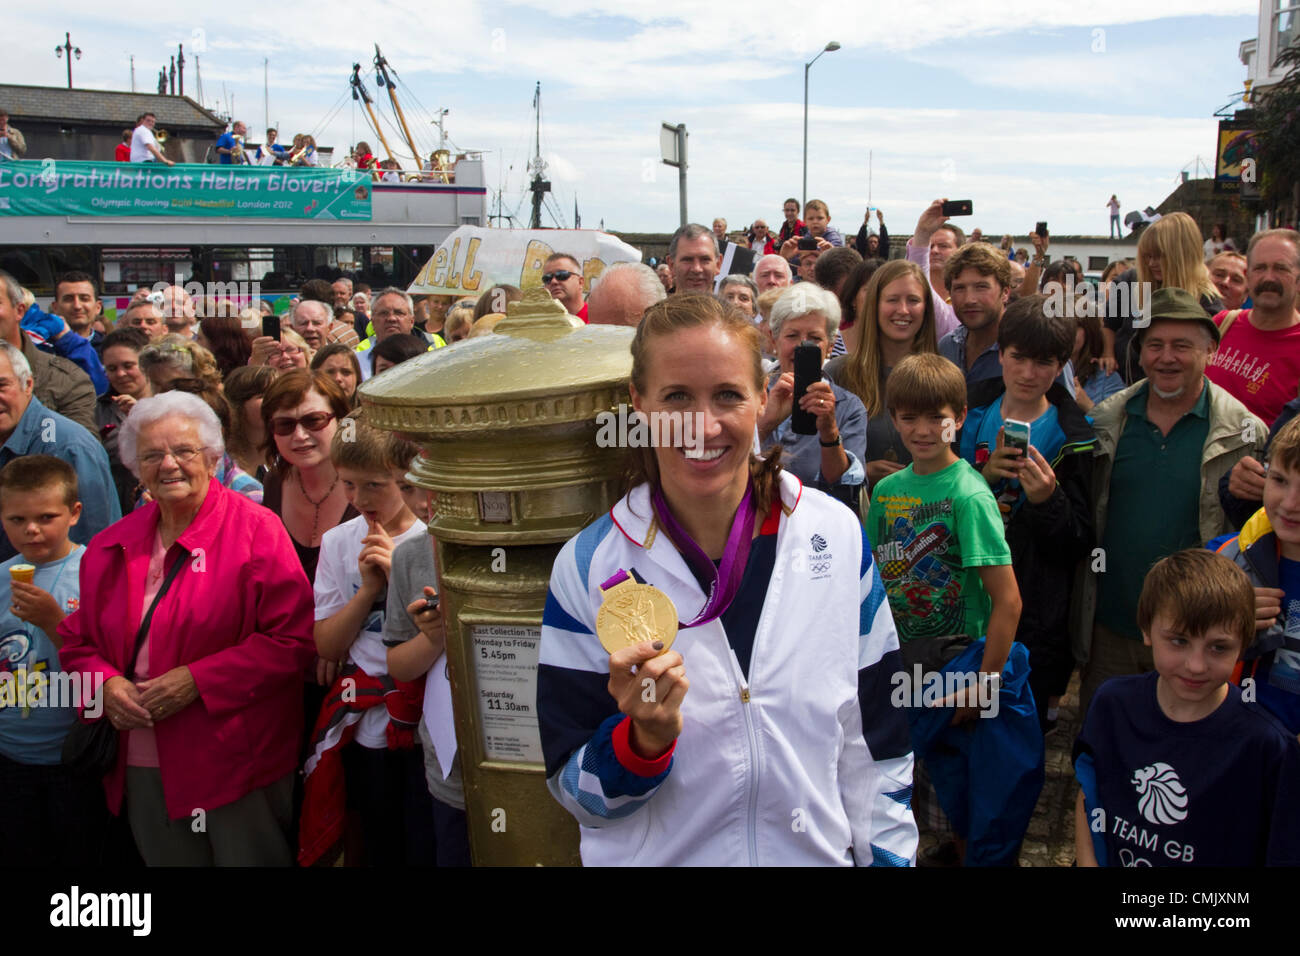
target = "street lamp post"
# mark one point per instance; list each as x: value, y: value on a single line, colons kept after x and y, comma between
x: 71, y: 51
x: 829, y: 48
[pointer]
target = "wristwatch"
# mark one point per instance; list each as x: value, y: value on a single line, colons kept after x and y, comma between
x: 831, y: 444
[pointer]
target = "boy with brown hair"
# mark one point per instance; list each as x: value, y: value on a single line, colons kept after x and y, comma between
x: 1167, y: 760
x: 50, y: 815
x: 1268, y: 550
x: 936, y: 534
x: 356, y: 741
x: 935, y: 525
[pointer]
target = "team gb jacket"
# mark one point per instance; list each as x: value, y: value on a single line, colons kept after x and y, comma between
x: 803, y: 763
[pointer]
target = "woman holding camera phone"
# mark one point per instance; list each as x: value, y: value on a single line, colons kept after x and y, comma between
x: 781, y: 747
x: 831, y: 456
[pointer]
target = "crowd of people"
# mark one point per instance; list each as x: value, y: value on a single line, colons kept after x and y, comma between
x: 1005, y: 476
x: 1049, y: 478
x: 141, y: 144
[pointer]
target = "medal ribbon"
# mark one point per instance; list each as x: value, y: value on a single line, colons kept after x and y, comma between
x: 726, y: 577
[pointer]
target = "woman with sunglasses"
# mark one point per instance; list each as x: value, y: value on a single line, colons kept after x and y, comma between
x: 301, y: 411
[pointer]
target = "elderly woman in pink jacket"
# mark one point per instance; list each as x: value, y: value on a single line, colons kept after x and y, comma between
x: 206, y: 690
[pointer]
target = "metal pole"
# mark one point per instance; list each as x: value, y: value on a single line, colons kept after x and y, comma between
x: 681, y: 170
x: 67, y: 39
x: 132, y: 72
x: 829, y: 48
x: 803, y: 196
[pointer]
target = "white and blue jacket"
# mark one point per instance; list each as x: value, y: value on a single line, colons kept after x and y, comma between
x: 804, y: 763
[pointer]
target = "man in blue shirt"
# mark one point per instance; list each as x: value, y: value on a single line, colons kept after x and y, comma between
x: 229, y: 149
x: 27, y: 427
x: 270, y: 153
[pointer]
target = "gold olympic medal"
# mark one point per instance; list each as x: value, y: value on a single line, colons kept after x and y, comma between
x: 632, y: 613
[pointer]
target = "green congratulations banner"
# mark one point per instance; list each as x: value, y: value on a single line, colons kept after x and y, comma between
x: 65, y: 188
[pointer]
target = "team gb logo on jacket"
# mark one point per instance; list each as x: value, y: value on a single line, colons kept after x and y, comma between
x: 819, y: 563
x: 1162, y: 798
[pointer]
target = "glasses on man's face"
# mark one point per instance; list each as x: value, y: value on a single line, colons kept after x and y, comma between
x: 391, y: 313
x: 182, y: 455
x: 284, y: 426
x: 564, y: 275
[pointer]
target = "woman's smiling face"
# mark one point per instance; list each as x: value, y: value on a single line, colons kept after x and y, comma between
x: 706, y: 373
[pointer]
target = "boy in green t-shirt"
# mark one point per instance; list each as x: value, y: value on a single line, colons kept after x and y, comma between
x: 935, y: 527
x: 936, y: 534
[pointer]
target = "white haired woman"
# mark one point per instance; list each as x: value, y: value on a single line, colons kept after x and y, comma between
x: 832, y: 459
x: 196, y: 619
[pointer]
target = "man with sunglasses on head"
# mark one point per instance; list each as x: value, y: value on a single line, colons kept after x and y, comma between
x: 562, y: 276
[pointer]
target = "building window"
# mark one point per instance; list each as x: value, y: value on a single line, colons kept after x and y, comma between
x: 1284, y: 25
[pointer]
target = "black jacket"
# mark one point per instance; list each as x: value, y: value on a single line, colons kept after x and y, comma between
x: 860, y: 243
x: 1048, y: 540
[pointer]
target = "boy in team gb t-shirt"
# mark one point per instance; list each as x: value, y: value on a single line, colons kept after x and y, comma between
x: 1176, y: 768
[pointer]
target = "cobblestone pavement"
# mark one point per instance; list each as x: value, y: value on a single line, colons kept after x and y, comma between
x: 1050, y: 838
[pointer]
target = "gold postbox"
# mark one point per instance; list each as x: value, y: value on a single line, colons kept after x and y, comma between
x: 508, y: 425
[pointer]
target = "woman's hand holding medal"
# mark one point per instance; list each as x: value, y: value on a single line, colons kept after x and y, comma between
x: 649, y: 685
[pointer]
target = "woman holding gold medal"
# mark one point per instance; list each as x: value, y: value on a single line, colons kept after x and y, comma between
x: 760, y: 732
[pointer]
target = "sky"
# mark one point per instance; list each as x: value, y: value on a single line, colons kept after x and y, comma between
x: 1032, y: 111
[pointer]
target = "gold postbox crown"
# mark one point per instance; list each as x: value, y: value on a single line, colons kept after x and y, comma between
x: 508, y: 424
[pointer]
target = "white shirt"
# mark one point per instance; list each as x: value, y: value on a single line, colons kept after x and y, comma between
x: 141, y: 139
x: 337, y: 579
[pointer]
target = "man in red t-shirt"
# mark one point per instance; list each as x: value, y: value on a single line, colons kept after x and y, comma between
x: 122, y: 153
x: 1258, y: 359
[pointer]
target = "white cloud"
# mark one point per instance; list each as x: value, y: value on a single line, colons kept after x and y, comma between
x: 612, y: 71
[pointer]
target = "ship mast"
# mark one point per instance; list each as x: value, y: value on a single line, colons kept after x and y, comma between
x: 383, y: 79
x: 359, y: 93
x: 540, y: 187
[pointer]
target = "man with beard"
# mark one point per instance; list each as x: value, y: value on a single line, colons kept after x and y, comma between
x: 980, y: 280
x: 693, y: 257
x: 1161, y: 443
x: 1258, y: 361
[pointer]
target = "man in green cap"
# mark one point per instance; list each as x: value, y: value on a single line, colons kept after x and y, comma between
x: 1162, y: 446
